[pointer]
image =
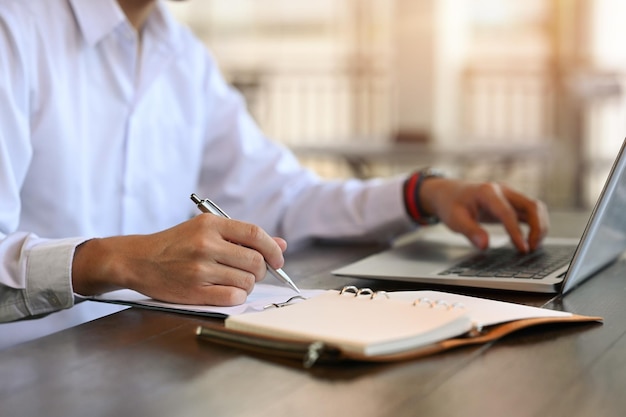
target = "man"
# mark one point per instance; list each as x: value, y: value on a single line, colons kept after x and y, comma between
x: 112, y: 114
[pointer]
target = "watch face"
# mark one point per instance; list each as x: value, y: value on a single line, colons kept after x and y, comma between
x: 431, y: 172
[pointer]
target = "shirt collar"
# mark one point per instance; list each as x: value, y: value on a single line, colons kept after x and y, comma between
x: 98, y: 18
x: 164, y: 28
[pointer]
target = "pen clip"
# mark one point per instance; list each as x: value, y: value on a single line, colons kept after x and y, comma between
x: 216, y: 208
x: 208, y: 206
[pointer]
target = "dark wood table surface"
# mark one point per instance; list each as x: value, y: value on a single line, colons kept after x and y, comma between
x: 146, y: 363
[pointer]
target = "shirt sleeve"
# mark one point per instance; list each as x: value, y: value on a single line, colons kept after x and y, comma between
x: 35, y: 276
x: 261, y: 181
x: 353, y: 210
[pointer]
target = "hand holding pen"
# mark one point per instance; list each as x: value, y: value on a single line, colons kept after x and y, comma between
x: 207, y: 206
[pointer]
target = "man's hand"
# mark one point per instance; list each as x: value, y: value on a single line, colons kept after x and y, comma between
x: 206, y: 260
x: 462, y: 205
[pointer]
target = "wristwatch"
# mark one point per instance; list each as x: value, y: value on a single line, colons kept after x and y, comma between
x: 412, y: 200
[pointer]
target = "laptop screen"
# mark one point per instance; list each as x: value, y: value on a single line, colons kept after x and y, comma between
x: 605, y: 234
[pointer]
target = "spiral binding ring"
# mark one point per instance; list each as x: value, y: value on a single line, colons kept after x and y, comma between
x: 365, y: 291
x: 351, y: 289
x: 284, y: 303
x: 377, y: 293
x: 423, y: 300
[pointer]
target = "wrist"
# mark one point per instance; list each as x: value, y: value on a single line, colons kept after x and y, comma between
x: 93, y: 268
x: 417, y: 206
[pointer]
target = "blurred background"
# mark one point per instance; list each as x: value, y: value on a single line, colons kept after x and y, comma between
x: 530, y: 92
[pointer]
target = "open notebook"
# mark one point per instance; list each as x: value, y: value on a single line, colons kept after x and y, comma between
x: 377, y: 326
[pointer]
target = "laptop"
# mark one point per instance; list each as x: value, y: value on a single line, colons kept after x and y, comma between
x: 558, y: 266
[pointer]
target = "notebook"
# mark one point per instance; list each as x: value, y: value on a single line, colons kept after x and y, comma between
x: 263, y: 295
x: 379, y: 326
x: 566, y: 262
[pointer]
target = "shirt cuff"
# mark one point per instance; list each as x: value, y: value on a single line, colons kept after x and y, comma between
x: 391, y: 207
x: 49, y: 276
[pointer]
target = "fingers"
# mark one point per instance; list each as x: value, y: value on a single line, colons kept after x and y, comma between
x: 214, y: 295
x: 206, y: 260
x: 228, y: 289
x: 463, y: 222
x: 253, y: 237
x: 463, y: 205
x: 471, y: 203
x: 500, y: 207
x: 241, y: 249
x: 282, y: 243
x: 539, y: 225
x: 239, y: 258
x: 222, y: 296
x: 531, y: 211
x: 211, y: 284
x: 233, y: 258
x: 227, y: 275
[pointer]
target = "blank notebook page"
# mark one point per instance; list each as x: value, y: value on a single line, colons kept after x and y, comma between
x: 358, y: 324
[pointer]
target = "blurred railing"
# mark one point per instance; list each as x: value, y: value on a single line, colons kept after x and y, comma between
x: 321, y: 107
x: 318, y: 106
x: 330, y: 109
x: 515, y: 104
x: 581, y: 114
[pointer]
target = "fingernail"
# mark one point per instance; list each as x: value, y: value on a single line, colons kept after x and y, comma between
x: 478, y: 241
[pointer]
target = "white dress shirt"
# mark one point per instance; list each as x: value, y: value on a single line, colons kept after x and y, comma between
x: 99, y: 137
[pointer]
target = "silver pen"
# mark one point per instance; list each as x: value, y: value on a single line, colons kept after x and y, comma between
x: 207, y: 206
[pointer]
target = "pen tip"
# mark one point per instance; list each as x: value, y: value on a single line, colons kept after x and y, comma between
x: 295, y: 288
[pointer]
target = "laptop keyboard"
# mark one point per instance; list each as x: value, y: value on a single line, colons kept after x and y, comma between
x: 508, y: 263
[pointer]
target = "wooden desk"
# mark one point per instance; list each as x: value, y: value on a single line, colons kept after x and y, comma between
x: 146, y: 363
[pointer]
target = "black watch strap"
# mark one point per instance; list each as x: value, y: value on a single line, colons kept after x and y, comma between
x: 412, y: 200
